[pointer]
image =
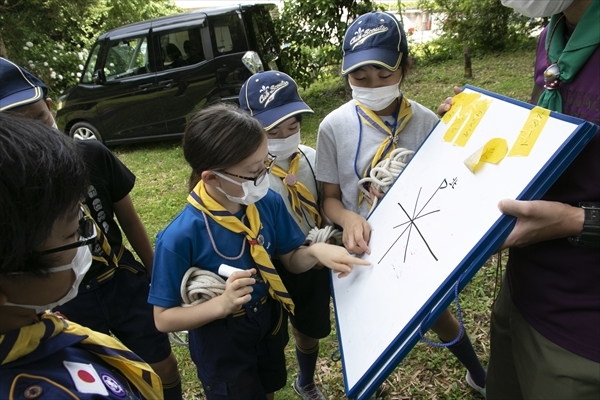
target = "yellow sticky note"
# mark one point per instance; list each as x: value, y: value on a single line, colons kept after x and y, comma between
x: 492, y: 152
x: 530, y: 132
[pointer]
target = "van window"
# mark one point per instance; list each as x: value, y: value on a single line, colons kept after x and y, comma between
x: 181, y: 47
x: 126, y: 57
x: 88, y: 72
x: 227, y: 34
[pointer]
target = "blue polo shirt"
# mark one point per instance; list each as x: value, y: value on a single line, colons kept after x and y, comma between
x: 191, y: 241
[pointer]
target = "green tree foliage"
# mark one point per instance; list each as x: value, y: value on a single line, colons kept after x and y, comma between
x: 312, y: 33
x: 51, y: 37
x: 483, y: 25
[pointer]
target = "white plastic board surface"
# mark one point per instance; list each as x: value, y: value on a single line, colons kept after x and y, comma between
x: 438, y: 220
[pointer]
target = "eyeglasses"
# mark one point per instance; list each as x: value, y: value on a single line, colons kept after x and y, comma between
x: 87, y: 235
x: 261, y: 175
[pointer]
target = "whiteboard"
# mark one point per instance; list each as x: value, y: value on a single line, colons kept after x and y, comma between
x: 440, y: 221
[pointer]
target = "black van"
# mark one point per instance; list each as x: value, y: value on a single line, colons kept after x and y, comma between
x: 143, y: 81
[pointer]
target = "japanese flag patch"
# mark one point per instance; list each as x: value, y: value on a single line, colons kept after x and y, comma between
x: 85, y: 378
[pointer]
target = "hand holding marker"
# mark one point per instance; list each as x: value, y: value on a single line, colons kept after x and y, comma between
x: 226, y: 271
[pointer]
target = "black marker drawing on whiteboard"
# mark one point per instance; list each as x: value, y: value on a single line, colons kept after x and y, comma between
x: 408, y: 225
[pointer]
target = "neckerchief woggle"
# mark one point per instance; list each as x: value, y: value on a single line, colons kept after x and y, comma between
x: 369, y: 117
x: 27, y: 338
x: 298, y: 193
x: 569, y: 56
x: 201, y: 200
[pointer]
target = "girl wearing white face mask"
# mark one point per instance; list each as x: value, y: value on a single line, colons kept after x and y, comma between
x: 358, y: 135
x: 272, y: 98
x: 236, y: 338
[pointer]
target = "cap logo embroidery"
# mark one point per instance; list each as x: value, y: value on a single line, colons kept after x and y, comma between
x: 363, y: 34
x: 267, y: 93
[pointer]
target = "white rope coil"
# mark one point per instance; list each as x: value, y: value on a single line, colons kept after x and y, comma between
x: 322, y: 235
x: 199, y: 285
x: 386, y: 172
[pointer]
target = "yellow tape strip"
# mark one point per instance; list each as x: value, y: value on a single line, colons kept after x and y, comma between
x: 492, y: 152
x: 476, y: 112
x: 530, y: 132
x: 461, y: 100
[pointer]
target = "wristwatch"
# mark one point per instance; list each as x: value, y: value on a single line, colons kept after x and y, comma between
x: 590, y: 236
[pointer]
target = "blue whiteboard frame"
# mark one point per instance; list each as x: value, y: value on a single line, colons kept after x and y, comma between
x: 472, y: 262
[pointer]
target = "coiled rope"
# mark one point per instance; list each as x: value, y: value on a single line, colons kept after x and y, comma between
x: 385, y: 172
x: 199, y: 285
x: 317, y: 235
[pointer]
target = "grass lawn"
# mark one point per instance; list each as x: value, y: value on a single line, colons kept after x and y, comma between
x: 161, y: 190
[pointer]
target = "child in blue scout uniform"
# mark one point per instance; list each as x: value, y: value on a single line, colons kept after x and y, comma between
x: 358, y: 135
x: 113, y: 293
x: 272, y: 98
x: 44, y: 254
x: 237, y: 338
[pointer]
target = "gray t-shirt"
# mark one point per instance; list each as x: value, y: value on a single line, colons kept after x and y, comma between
x: 340, y: 160
x: 305, y: 176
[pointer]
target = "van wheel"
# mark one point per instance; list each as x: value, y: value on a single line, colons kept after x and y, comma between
x: 85, y: 131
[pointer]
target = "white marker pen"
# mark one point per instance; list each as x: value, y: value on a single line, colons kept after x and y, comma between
x: 226, y: 271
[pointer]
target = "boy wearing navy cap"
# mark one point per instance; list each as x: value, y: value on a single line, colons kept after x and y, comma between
x: 272, y: 98
x: 360, y: 134
x: 112, y: 294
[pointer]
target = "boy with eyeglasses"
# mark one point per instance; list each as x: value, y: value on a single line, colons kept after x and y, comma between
x: 112, y: 294
x: 44, y: 254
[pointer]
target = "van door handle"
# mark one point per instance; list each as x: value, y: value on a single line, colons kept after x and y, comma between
x: 145, y: 86
x: 166, y: 83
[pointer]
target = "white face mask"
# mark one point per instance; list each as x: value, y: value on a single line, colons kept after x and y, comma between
x: 376, y: 99
x: 284, y: 148
x: 538, y: 8
x: 80, y: 265
x: 252, y: 193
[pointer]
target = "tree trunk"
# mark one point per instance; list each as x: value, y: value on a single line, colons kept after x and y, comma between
x: 467, y: 55
x: 2, y: 47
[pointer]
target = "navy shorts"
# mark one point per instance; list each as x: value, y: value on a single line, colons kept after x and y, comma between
x: 242, y: 357
x: 311, y: 292
x: 120, y: 306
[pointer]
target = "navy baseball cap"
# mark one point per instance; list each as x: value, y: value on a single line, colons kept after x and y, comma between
x: 18, y: 87
x: 272, y: 97
x: 376, y: 38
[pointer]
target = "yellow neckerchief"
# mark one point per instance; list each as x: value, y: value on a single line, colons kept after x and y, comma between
x: 28, y: 338
x: 201, y: 200
x: 103, y: 241
x: 298, y: 193
x: 389, y: 144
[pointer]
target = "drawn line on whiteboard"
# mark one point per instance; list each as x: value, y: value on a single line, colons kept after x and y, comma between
x: 411, y: 221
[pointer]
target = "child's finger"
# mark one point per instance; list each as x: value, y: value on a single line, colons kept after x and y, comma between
x: 340, y: 267
x: 343, y: 274
x: 240, y: 301
x: 356, y: 261
x: 362, y: 244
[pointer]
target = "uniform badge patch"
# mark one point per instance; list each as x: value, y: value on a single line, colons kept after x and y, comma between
x: 85, y: 378
x: 113, y: 385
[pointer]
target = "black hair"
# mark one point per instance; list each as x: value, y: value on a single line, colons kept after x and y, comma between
x: 218, y: 137
x: 42, y: 177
